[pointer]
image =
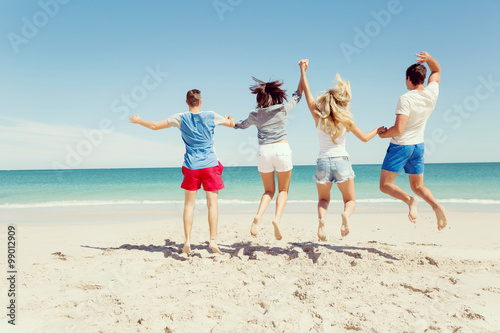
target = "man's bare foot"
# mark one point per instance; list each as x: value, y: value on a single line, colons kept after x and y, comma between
x: 213, y: 246
x: 412, y: 205
x: 344, y: 229
x: 277, y: 231
x: 441, y: 217
x: 321, y: 231
x: 187, y: 248
x: 254, y: 229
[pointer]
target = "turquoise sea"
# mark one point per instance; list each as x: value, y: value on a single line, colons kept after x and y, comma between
x: 459, y: 184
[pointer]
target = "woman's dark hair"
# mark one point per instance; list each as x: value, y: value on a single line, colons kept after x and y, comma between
x: 417, y: 74
x: 268, y: 93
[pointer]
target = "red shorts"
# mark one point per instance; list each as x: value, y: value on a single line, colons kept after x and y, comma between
x: 209, y: 177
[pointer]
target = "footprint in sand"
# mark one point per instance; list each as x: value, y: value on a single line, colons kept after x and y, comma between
x: 59, y: 255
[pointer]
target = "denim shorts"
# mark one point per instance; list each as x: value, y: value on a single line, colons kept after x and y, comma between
x: 333, y: 169
x: 407, y: 157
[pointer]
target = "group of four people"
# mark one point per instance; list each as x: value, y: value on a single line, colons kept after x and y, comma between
x: 333, y: 119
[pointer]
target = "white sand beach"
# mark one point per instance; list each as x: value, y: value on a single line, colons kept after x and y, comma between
x: 386, y: 276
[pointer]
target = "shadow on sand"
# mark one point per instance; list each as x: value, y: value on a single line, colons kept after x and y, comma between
x: 173, y: 250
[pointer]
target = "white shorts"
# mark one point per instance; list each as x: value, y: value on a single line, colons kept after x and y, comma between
x: 275, y: 157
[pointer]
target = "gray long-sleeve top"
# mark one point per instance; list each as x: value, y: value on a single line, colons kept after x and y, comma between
x: 270, y: 121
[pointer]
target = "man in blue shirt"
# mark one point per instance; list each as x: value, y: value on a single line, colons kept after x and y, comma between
x: 201, y: 166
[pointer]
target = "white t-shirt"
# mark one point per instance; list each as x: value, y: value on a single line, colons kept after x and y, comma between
x: 418, y: 106
x: 328, y: 148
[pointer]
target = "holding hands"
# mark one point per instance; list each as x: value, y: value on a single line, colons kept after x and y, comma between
x: 229, y: 121
x: 304, y: 64
x: 381, y: 129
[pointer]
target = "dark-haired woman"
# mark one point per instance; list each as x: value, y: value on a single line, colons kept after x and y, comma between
x: 274, y: 153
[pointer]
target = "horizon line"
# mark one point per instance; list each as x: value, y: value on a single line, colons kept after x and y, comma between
x: 239, y: 166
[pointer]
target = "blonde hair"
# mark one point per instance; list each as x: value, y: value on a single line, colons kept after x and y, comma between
x: 334, y: 108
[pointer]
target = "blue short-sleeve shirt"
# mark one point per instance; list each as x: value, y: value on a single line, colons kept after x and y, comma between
x: 197, y: 131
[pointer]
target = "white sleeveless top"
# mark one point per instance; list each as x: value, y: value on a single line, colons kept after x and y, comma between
x: 327, y: 148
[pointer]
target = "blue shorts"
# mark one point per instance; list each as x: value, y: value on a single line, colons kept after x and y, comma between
x: 408, y: 157
x: 333, y: 169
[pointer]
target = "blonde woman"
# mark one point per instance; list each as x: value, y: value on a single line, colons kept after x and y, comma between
x: 333, y: 119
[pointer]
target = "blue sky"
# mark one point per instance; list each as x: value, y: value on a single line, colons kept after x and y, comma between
x: 72, y: 72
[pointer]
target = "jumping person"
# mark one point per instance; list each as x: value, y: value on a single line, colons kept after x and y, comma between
x: 333, y: 119
x: 201, y: 165
x: 406, y: 150
x: 274, y: 154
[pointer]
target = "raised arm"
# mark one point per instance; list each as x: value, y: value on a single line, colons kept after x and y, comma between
x: 154, y: 125
x: 365, y: 137
x: 300, y: 88
x: 295, y: 99
x: 433, y: 66
x: 311, y: 103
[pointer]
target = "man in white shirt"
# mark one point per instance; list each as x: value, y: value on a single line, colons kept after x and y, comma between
x: 406, y: 150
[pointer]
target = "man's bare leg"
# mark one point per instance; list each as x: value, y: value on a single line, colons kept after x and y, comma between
x: 388, y: 187
x: 269, y: 188
x: 189, y: 203
x: 347, y: 190
x: 323, y: 203
x: 417, y: 186
x: 213, y: 219
x: 283, y: 185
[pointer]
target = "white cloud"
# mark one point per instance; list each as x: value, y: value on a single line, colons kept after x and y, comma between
x: 31, y: 145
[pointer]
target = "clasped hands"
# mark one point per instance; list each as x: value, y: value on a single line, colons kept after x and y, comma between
x: 381, y: 130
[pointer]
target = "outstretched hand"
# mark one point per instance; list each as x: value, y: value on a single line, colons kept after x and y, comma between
x: 304, y: 64
x: 134, y: 119
x: 422, y: 57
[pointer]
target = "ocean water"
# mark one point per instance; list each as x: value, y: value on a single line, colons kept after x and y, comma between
x: 456, y: 184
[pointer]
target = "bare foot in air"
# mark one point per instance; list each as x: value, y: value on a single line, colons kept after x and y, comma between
x: 254, y: 229
x: 187, y: 249
x: 213, y: 246
x: 412, y: 205
x: 277, y: 231
x: 441, y: 217
x: 321, y: 231
x: 344, y: 229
